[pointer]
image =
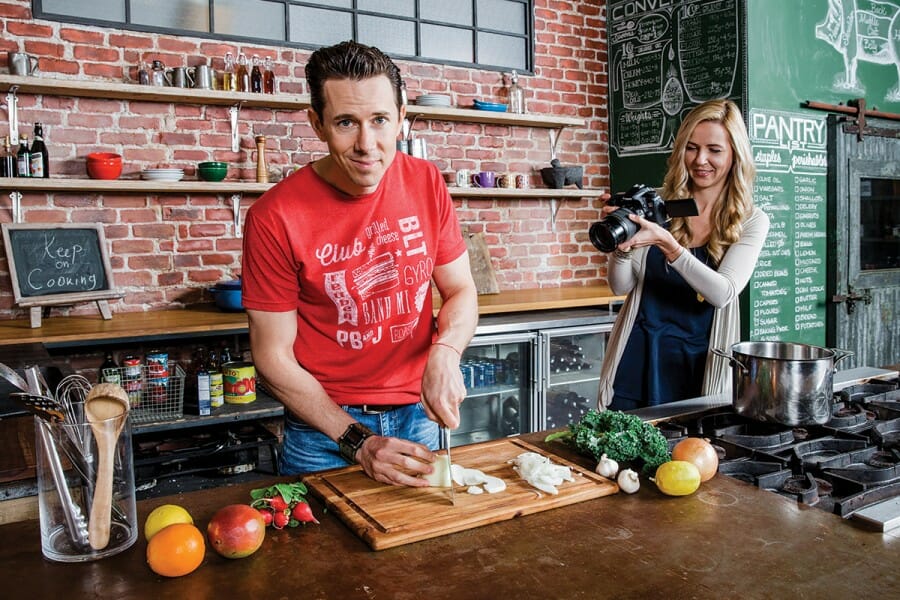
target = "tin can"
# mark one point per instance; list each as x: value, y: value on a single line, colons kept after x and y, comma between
x: 468, y: 374
x: 132, y: 367
x: 157, y: 364
x: 216, y: 389
x: 478, y: 375
x: 134, y: 388
x: 239, y: 382
x: 158, y: 390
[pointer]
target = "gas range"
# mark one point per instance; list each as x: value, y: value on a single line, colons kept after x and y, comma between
x: 847, y: 466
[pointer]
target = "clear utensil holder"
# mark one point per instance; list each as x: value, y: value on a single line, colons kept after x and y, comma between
x: 67, y: 464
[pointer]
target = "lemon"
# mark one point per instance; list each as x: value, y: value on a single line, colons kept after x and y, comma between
x: 677, y: 478
x: 163, y: 516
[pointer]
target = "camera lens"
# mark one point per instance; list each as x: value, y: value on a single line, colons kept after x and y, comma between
x: 613, y: 230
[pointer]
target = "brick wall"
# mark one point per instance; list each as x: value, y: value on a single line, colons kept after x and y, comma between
x: 167, y: 249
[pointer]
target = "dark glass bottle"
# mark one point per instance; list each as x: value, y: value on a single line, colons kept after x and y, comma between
x: 40, y: 159
x: 269, y: 77
x: 256, y: 76
x: 202, y: 385
x: 225, y: 356
x: 7, y: 160
x: 109, y: 370
x: 216, y: 381
x: 242, y: 74
x: 23, y: 159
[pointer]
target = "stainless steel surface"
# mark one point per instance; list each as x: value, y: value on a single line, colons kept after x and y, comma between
x: 532, y: 321
x: 690, y: 406
x: 884, y: 516
x: 783, y: 382
x: 445, y: 435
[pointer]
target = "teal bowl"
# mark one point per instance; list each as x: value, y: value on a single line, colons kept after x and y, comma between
x: 212, y: 171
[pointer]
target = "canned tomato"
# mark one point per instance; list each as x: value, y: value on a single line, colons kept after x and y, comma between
x: 157, y: 364
x: 239, y: 381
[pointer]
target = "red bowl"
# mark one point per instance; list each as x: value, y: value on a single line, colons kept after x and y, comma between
x: 104, y: 165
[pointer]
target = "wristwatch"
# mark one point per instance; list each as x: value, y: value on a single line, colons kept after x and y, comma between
x: 352, y: 440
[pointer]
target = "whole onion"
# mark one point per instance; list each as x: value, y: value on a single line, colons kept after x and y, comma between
x: 699, y: 452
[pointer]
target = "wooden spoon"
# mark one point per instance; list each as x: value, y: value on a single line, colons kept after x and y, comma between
x: 106, y: 409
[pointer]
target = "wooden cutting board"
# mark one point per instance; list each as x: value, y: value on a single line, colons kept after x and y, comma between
x: 385, y: 516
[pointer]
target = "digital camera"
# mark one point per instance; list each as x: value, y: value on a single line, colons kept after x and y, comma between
x: 641, y: 200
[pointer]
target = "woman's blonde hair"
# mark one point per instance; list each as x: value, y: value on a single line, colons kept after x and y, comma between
x: 736, y: 202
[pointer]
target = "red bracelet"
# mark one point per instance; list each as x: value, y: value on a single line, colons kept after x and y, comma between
x: 447, y: 346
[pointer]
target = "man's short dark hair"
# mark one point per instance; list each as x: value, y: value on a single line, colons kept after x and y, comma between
x: 349, y: 60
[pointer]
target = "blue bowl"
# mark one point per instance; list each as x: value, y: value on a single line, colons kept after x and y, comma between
x: 227, y: 295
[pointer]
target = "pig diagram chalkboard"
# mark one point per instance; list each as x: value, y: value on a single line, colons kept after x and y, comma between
x: 665, y: 57
x: 58, y: 264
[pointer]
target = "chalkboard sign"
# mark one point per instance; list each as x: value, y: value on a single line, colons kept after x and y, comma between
x: 58, y: 264
x: 787, y: 291
x: 664, y: 59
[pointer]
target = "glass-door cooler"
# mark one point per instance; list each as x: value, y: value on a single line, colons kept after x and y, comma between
x: 570, y: 372
x: 499, y: 374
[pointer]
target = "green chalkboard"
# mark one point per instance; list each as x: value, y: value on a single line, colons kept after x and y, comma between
x: 664, y: 59
x: 824, y: 50
x: 828, y: 51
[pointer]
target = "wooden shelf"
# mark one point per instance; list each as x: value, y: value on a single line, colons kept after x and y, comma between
x: 469, y: 115
x: 206, y: 319
x: 82, y: 88
x: 458, y: 192
x: 136, y: 186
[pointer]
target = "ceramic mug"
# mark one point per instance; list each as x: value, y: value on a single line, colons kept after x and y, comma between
x: 484, y: 179
x: 507, y: 180
x: 464, y: 178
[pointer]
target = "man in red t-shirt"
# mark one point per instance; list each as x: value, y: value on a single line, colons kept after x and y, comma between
x: 337, y: 270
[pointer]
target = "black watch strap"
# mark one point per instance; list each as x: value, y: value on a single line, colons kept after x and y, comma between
x: 352, y: 440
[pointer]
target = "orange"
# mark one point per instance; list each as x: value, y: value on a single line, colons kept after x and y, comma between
x: 176, y: 550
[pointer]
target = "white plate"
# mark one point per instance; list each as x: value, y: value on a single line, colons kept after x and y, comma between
x: 162, y: 176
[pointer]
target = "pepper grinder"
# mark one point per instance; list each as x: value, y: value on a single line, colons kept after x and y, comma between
x: 262, y: 172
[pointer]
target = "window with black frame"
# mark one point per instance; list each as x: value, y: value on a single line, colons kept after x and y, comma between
x: 488, y: 33
x: 879, y: 226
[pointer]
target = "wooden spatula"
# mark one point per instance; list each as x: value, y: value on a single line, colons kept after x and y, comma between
x: 106, y: 409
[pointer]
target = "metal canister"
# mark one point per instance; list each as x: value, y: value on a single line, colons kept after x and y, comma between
x: 239, y: 382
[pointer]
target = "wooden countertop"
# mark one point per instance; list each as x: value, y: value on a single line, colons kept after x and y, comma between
x: 207, y: 319
x: 728, y: 540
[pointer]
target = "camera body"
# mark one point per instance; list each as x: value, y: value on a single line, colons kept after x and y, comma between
x: 643, y: 201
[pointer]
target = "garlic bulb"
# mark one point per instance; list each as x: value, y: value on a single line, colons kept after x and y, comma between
x: 628, y: 481
x: 607, y: 467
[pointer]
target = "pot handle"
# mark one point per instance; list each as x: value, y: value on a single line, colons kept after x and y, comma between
x: 840, y: 354
x: 731, y: 359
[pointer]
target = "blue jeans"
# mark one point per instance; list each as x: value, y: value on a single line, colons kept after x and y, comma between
x: 307, y: 450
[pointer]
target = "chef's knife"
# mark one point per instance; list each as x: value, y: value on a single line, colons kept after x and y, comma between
x: 445, y: 434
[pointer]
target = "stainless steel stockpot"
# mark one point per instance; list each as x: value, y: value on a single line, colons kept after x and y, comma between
x: 783, y: 382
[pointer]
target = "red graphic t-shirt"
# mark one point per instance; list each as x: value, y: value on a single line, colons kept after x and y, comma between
x: 358, y: 272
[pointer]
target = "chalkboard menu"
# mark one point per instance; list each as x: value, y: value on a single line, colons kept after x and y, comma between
x: 787, y: 291
x: 665, y: 58
x: 53, y: 264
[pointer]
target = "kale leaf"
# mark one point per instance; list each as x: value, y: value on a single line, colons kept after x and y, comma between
x: 622, y: 437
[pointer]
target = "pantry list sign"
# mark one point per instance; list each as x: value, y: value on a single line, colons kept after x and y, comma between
x: 787, y: 290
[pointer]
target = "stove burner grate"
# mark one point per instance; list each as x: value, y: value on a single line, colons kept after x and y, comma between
x: 806, y: 488
x: 813, y: 453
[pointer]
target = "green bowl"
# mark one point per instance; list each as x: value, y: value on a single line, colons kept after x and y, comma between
x: 212, y: 171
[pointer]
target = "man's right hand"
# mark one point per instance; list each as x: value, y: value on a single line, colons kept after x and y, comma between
x: 395, y: 461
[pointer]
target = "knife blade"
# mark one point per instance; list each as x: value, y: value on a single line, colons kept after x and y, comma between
x: 445, y: 434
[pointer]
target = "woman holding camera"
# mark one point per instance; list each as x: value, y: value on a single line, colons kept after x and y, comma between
x: 683, y: 282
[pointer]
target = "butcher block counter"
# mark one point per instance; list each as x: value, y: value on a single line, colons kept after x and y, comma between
x: 728, y: 540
